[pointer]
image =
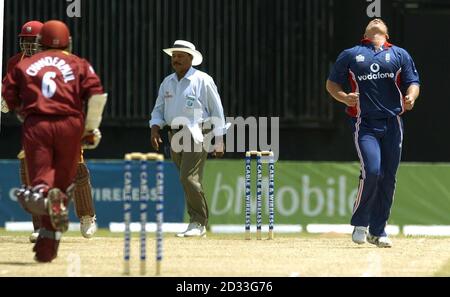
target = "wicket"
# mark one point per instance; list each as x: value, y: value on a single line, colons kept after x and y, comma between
x: 248, y: 171
x: 144, y: 197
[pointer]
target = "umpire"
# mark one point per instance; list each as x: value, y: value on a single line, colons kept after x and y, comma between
x: 189, y: 96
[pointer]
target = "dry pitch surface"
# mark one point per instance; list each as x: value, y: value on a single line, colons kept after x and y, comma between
x: 230, y: 255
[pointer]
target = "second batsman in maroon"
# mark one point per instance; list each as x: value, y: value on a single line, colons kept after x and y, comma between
x: 51, y: 89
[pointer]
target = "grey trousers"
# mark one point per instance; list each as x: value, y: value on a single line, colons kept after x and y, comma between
x: 190, y: 167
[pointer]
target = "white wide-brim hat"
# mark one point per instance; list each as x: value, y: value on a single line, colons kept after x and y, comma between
x: 187, y: 47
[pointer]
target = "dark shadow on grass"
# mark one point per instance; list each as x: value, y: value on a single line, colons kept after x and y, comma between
x: 19, y: 263
x: 354, y: 247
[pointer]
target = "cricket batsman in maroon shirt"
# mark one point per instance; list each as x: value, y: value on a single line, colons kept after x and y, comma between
x: 50, y: 90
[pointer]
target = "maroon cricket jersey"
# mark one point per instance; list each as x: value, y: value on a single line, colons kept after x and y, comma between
x: 14, y: 60
x: 53, y: 82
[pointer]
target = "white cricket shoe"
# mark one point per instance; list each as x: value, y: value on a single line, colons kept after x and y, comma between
x: 88, y: 227
x: 34, y: 236
x: 194, y: 230
x: 379, y: 241
x: 359, y: 234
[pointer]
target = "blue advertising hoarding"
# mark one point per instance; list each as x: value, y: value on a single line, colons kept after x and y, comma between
x: 107, y: 189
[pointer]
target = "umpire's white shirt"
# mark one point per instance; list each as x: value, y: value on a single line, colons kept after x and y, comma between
x: 190, y: 101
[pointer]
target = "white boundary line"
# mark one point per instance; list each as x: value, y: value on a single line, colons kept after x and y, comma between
x: 325, y: 228
x: 344, y: 228
x: 149, y: 227
x: 265, y: 228
x: 28, y: 226
x: 408, y: 230
x: 426, y: 230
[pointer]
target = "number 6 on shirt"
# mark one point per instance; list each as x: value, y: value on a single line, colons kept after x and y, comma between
x: 48, y: 84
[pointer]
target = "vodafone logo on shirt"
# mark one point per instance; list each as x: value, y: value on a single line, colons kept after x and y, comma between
x: 375, y: 68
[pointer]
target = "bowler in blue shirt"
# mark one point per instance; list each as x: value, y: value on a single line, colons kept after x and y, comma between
x: 385, y: 84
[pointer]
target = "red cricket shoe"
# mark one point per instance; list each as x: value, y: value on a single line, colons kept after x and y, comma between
x: 58, y: 209
x: 46, y: 247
